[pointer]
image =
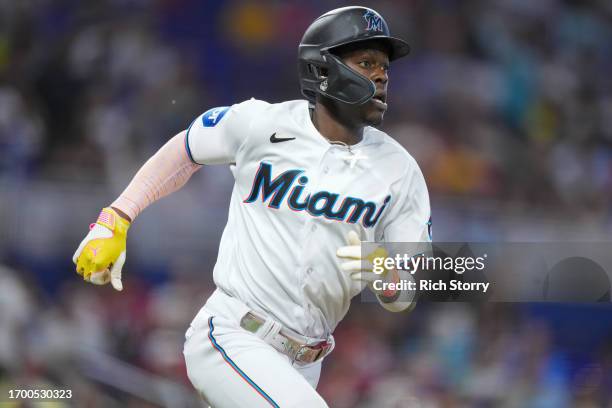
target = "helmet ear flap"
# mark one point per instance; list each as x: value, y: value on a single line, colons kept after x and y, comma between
x: 317, y: 71
x: 320, y: 73
x: 312, y: 73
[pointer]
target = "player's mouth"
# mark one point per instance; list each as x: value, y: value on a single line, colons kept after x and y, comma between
x: 380, y: 100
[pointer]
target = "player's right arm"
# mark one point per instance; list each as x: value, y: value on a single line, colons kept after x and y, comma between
x: 101, y: 255
x: 213, y: 138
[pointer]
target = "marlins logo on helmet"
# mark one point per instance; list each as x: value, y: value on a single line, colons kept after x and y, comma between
x: 374, y: 21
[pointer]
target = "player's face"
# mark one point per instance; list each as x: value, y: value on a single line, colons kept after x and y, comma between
x: 373, y: 63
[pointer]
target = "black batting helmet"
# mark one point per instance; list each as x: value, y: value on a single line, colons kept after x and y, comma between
x: 322, y: 72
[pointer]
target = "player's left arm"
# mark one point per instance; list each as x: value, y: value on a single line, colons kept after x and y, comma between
x: 408, y: 221
x: 359, y: 265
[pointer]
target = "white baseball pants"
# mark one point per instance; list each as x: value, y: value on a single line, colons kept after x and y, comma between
x: 233, y: 368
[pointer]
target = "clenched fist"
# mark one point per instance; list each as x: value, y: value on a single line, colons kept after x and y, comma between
x: 101, y: 255
x: 360, y: 268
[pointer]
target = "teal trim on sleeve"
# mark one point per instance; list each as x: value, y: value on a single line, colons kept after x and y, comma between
x: 187, y: 143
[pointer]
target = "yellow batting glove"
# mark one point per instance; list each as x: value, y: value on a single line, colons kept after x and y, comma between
x: 101, y: 255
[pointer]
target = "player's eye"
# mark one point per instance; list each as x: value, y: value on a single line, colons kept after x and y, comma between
x: 364, y: 64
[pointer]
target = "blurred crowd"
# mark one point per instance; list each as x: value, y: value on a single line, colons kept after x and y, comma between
x: 441, y: 355
x: 506, y: 102
x: 508, y: 99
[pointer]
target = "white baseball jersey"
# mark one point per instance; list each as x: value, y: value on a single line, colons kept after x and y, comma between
x: 295, y: 198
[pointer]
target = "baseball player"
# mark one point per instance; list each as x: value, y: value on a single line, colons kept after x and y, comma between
x: 313, y: 179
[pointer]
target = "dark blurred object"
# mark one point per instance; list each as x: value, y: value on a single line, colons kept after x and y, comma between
x: 577, y: 279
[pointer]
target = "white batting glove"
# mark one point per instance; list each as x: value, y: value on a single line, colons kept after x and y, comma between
x: 360, y: 268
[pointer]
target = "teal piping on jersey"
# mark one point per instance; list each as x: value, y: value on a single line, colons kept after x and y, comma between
x: 187, y: 143
x: 231, y: 363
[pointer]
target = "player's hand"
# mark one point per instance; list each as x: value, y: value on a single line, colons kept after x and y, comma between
x: 358, y: 266
x: 101, y: 255
x: 361, y: 269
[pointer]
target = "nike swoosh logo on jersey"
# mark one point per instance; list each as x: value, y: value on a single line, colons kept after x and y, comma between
x: 275, y: 139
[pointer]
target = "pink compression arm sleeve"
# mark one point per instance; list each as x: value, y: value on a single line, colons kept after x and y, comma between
x: 165, y: 172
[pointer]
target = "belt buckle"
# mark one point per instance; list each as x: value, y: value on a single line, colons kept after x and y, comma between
x: 305, y: 350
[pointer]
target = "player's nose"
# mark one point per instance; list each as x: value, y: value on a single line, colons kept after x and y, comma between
x: 379, y: 75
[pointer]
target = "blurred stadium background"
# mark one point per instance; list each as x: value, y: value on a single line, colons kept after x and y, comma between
x: 506, y: 105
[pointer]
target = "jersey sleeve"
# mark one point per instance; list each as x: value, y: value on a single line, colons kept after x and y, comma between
x: 410, y: 219
x: 215, y: 136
